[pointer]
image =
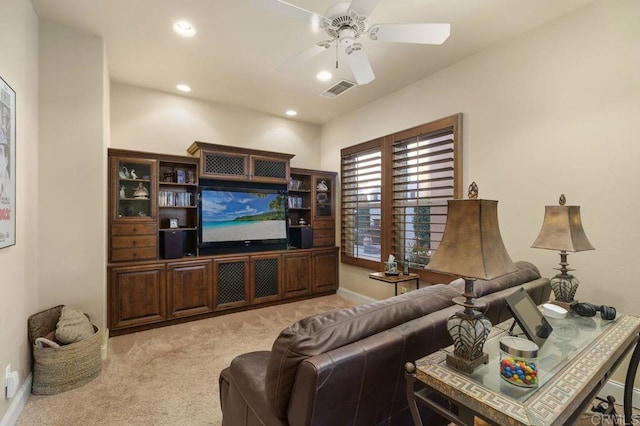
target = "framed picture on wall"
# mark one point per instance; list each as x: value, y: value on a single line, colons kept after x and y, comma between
x: 7, y: 165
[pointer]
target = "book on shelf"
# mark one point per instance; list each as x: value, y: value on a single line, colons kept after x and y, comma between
x: 175, y: 199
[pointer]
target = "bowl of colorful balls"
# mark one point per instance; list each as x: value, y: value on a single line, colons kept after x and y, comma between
x: 518, y: 361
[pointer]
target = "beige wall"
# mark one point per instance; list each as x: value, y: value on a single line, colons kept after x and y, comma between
x: 18, y: 272
x: 555, y: 111
x: 153, y: 121
x: 72, y: 173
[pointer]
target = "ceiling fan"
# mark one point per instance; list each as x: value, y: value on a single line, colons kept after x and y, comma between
x: 345, y: 22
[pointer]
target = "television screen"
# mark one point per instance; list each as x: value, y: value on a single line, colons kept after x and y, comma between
x: 242, y: 215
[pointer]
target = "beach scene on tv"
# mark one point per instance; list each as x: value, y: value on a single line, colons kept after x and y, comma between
x: 239, y: 216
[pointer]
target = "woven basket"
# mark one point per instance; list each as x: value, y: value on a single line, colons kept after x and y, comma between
x: 65, y: 368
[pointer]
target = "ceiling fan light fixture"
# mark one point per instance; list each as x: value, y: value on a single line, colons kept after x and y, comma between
x: 347, y: 36
x: 184, y: 28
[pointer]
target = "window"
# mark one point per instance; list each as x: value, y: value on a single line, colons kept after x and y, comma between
x: 361, y: 177
x: 394, y: 194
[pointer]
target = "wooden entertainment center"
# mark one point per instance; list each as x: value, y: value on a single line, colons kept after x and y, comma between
x: 157, y: 274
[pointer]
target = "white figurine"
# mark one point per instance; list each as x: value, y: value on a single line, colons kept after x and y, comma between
x: 133, y: 174
x: 122, y: 193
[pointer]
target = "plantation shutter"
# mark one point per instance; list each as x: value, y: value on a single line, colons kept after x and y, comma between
x: 423, y: 181
x: 361, y: 178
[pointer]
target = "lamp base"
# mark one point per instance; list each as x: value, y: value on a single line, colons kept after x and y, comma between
x: 464, y: 364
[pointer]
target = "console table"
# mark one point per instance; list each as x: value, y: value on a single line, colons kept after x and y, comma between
x: 574, y: 363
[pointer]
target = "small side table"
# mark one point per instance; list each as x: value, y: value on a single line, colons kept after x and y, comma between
x: 395, y: 279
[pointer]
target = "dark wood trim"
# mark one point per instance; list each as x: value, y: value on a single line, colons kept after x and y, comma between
x: 385, y: 144
x: 197, y: 147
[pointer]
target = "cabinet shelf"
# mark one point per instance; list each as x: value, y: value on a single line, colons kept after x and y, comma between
x: 177, y: 207
x: 134, y: 199
x: 299, y: 208
x: 184, y: 185
x: 133, y: 180
x: 178, y: 229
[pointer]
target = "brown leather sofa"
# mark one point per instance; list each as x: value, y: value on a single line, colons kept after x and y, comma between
x: 345, y: 367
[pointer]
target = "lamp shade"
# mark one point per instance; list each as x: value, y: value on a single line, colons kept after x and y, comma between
x: 472, y: 246
x: 562, y: 230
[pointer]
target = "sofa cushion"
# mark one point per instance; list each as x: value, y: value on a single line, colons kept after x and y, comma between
x: 525, y: 272
x: 320, y: 333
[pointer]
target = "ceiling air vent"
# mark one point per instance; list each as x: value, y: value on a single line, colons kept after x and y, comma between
x: 338, y: 89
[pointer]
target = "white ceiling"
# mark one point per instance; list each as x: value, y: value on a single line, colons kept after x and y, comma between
x: 239, y: 44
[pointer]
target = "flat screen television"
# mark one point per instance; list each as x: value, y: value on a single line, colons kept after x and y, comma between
x: 239, y: 219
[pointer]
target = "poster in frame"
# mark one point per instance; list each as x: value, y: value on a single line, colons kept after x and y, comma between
x: 7, y: 165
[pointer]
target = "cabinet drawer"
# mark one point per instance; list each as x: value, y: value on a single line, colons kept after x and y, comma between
x: 125, y: 242
x: 323, y: 242
x: 323, y: 233
x: 120, y: 255
x: 133, y: 229
x: 324, y: 224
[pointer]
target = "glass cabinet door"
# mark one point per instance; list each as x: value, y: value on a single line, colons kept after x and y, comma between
x: 324, y: 196
x: 135, y: 188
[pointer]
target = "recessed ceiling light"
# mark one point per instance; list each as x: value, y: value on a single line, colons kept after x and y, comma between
x: 184, y: 28
x: 183, y: 88
x: 324, y: 76
x: 291, y: 113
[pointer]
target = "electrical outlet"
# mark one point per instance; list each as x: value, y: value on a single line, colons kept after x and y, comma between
x: 11, y: 380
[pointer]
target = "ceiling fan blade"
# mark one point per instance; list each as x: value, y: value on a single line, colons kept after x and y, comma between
x: 363, y: 7
x: 292, y: 11
x: 305, y: 55
x: 359, y: 64
x: 410, y: 33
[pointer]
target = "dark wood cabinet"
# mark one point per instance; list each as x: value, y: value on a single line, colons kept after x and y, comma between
x: 325, y: 270
x: 312, y: 204
x: 156, y: 273
x: 297, y: 273
x: 230, y: 282
x: 234, y: 163
x: 133, y: 209
x: 136, y: 295
x: 265, y: 278
x: 189, y: 288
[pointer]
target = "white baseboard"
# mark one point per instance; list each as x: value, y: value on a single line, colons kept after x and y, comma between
x: 10, y: 418
x: 356, y: 297
x: 104, y: 348
x: 616, y: 389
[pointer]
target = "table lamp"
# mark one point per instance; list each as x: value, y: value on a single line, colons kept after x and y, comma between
x: 562, y: 230
x: 472, y: 248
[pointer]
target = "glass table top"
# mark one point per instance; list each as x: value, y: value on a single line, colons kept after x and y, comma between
x: 569, y: 337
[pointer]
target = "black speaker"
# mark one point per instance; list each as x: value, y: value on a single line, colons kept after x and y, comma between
x: 171, y: 244
x: 301, y: 237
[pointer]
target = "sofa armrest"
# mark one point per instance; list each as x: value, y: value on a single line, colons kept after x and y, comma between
x: 242, y: 392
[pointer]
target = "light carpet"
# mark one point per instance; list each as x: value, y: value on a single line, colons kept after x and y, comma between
x: 169, y: 375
